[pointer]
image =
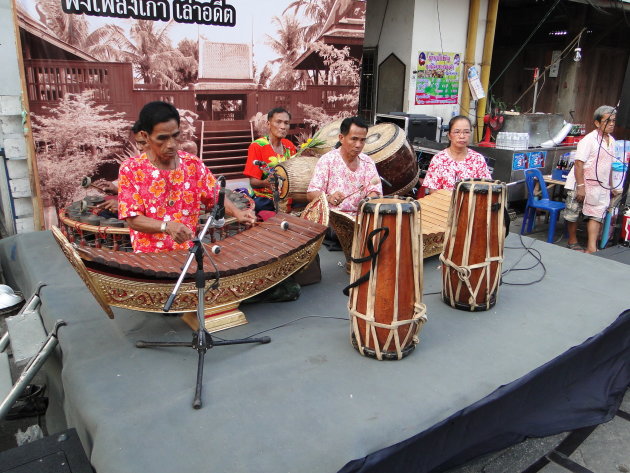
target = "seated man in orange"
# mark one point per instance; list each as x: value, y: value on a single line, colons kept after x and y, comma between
x: 160, y: 190
x: 271, y: 149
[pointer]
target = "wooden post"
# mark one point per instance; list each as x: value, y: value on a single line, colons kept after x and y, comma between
x: 469, y: 56
x: 486, y: 61
x: 33, y: 174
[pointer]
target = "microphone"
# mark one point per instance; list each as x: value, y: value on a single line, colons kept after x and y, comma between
x: 220, y: 209
x: 259, y: 163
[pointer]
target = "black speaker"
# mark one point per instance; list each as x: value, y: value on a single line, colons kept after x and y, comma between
x: 57, y: 453
x: 623, y: 113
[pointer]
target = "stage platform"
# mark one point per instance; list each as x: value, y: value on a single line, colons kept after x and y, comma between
x: 550, y: 357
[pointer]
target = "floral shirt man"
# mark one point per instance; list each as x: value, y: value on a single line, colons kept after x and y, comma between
x: 163, y: 194
x: 332, y: 174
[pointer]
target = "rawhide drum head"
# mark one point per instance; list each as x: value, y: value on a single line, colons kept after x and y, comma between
x: 330, y: 134
x: 296, y: 174
x: 396, y: 162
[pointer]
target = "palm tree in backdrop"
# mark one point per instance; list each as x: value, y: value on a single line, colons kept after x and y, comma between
x: 73, y: 30
x: 318, y: 11
x: 149, y: 49
x: 288, y: 44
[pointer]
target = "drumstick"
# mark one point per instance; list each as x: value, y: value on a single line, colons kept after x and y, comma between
x: 352, y: 193
x: 375, y: 180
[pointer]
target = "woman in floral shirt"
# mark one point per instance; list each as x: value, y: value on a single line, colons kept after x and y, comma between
x: 456, y: 162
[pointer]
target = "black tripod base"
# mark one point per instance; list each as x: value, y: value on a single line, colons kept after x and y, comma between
x: 201, y: 341
x: 208, y: 342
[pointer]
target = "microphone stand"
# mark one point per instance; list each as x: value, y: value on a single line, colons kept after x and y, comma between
x: 202, y: 340
x: 275, y: 182
x: 274, y: 179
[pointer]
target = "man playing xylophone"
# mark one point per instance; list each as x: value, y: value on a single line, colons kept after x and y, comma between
x: 160, y: 190
x: 345, y: 174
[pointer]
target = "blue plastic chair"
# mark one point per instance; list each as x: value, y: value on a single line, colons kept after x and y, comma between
x: 544, y: 203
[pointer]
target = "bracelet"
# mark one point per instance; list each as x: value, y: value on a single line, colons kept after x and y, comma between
x: 163, y: 227
x: 579, y: 185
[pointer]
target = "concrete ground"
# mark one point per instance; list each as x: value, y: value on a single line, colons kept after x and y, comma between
x: 603, y: 449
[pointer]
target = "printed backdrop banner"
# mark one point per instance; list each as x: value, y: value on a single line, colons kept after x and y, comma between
x: 437, y: 80
x: 90, y: 66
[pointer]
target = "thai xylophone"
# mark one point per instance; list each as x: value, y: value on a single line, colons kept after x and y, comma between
x: 79, y: 224
x: 248, y: 263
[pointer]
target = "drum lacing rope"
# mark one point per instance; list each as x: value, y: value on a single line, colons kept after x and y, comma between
x: 464, y: 271
x: 373, y: 253
x: 416, y: 322
x: 418, y: 317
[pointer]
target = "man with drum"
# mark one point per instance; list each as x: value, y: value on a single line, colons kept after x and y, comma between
x: 160, y: 190
x: 346, y: 175
x: 271, y: 149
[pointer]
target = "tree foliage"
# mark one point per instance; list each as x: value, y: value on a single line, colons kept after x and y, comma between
x: 73, y: 30
x: 188, y: 71
x: 73, y: 140
x: 343, y: 69
x: 288, y: 44
x: 149, y: 49
x: 317, y: 11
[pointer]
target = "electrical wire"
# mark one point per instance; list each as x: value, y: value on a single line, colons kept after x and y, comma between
x: 432, y: 293
x: 563, y: 54
x: 437, y: 7
x: 523, y: 45
x: 535, y: 254
x: 599, y: 149
x: 289, y: 323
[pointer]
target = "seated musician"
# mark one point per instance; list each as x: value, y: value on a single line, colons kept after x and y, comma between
x: 456, y: 162
x: 160, y: 190
x: 345, y: 174
x: 272, y: 149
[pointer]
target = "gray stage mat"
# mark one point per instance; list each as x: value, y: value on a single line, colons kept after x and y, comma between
x: 307, y: 401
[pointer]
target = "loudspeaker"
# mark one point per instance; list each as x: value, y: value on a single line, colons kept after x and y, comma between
x: 623, y: 113
x: 61, y: 452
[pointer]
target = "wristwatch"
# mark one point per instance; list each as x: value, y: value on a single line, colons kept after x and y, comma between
x: 163, y: 227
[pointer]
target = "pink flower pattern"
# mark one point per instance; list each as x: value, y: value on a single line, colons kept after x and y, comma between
x: 444, y: 171
x: 157, y: 193
x: 331, y: 175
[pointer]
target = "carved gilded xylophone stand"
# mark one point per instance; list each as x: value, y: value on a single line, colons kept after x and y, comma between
x: 202, y: 340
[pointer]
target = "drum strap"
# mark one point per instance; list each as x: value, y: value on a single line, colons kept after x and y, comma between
x: 372, y: 254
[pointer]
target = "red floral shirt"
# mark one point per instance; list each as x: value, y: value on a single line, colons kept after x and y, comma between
x: 444, y: 171
x: 163, y: 194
